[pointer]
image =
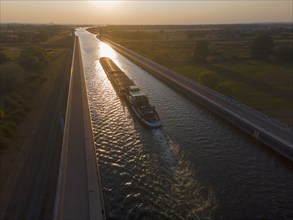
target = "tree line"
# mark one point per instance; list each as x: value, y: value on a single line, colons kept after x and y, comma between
x: 262, y: 47
x: 31, y: 59
x: 29, y: 33
x: 20, y: 77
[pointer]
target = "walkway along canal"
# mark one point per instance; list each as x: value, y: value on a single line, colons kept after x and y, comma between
x: 79, y: 195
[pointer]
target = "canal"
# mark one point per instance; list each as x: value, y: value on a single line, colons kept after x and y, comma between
x: 196, y: 166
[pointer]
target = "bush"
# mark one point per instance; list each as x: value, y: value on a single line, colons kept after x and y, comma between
x: 8, y: 129
x: 12, y: 111
x: 34, y: 58
x: 261, y: 47
x: 201, y: 52
x: 3, y: 58
x: 11, y: 76
x: 208, y: 78
x: 284, y: 53
x: 3, y: 140
x: 18, y: 115
x: 226, y: 88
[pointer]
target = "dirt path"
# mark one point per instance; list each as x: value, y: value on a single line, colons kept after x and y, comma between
x: 29, y: 166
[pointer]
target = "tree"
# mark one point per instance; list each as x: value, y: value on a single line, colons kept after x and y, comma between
x: 284, y: 54
x: 34, y: 58
x: 261, y: 47
x: 11, y: 76
x: 226, y: 88
x: 3, y: 58
x: 208, y: 78
x: 201, y: 51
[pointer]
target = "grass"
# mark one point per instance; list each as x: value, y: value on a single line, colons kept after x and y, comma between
x: 276, y: 75
x: 188, y: 69
x: 61, y: 40
x: 230, y: 49
x: 251, y: 96
x: 13, y: 54
x: 264, y: 87
x: 59, y: 37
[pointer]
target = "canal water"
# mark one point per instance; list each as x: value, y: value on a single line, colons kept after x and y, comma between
x: 196, y: 166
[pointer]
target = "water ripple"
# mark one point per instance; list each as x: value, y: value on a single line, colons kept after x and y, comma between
x: 182, y: 170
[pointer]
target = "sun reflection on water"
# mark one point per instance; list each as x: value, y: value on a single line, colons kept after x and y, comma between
x: 107, y: 51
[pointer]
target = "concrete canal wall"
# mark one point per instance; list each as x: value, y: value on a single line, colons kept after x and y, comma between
x: 79, y: 193
x: 266, y: 130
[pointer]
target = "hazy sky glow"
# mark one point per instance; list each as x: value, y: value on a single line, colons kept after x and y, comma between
x: 146, y: 12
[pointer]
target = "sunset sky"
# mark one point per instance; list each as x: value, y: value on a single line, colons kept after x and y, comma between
x: 146, y: 12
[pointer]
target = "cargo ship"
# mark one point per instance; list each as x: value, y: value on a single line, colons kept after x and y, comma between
x: 135, y: 98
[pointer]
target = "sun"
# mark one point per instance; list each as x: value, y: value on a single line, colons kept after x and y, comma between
x: 106, y: 4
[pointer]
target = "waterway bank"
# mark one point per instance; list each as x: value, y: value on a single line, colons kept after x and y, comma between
x: 79, y: 194
x: 271, y: 133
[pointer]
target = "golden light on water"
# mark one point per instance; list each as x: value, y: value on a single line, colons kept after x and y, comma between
x: 107, y: 51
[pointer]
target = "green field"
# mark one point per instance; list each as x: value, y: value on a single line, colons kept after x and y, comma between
x: 24, y: 89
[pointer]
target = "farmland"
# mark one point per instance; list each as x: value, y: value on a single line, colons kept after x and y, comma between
x: 262, y: 84
x: 29, y: 68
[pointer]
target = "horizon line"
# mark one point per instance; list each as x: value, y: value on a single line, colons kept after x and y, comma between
x: 166, y: 24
